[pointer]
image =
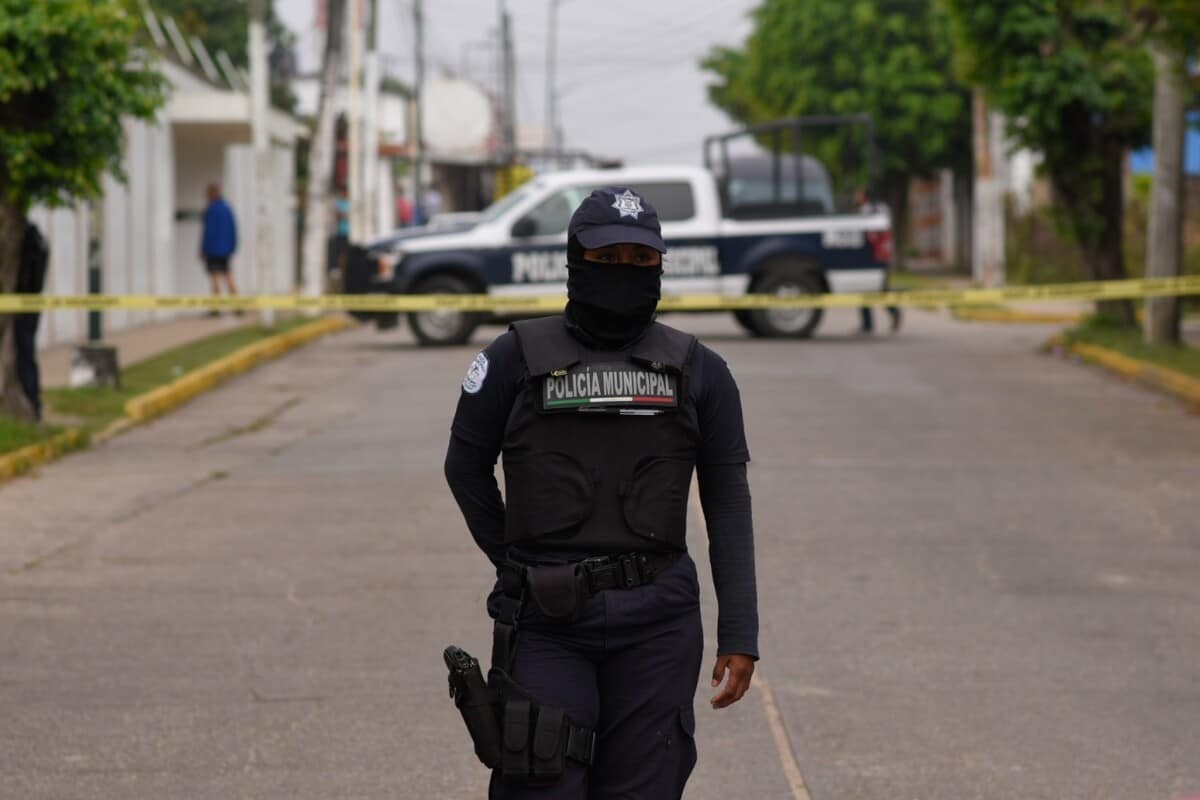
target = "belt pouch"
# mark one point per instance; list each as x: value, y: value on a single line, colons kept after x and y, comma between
x: 557, y: 591
x: 549, y: 742
x: 515, y: 762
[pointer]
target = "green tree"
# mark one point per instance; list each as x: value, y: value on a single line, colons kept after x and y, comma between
x: 1075, y: 85
x: 225, y: 25
x: 1172, y: 32
x: 889, y: 58
x: 69, y: 75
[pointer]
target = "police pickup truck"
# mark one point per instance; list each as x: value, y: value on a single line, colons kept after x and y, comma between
x: 761, y: 225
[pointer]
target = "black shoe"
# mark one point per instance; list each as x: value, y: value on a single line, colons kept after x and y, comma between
x: 213, y: 313
x: 897, y: 318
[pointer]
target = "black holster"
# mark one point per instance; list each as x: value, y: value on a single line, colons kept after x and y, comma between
x: 529, y: 742
x: 477, y: 704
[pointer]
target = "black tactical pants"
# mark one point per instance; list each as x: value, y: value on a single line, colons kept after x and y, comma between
x: 628, y: 668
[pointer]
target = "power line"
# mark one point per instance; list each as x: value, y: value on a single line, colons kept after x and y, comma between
x: 651, y: 35
x: 619, y: 87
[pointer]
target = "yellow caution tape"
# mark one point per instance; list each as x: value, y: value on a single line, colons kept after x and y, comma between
x: 1094, y: 290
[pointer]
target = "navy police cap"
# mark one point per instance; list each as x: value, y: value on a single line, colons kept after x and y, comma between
x: 616, y: 215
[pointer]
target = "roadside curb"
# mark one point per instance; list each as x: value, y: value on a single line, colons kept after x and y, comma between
x: 165, y: 398
x: 1184, y: 387
x: 21, y: 461
x: 968, y: 314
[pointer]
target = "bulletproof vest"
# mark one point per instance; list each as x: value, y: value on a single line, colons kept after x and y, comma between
x: 600, y: 446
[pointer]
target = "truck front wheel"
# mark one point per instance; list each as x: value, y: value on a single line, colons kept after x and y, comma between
x: 443, y: 327
x: 795, y: 323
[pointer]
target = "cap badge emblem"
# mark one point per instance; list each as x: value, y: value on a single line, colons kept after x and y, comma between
x: 629, y: 204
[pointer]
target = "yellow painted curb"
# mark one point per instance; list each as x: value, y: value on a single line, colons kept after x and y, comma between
x: 968, y: 314
x: 179, y: 391
x: 21, y: 461
x: 1183, y: 386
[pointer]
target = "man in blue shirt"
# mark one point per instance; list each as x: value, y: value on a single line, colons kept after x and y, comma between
x: 219, y: 241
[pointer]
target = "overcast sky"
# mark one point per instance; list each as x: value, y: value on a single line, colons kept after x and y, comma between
x: 628, y: 77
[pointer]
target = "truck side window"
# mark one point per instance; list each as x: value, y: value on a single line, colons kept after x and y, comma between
x: 804, y: 187
x: 553, y: 214
x: 673, y: 200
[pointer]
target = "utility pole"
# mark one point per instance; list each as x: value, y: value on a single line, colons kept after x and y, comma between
x: 987, y: 258
x: 1164, y: 235
x: 551, y: 68
x: 553, y: 131
x: 355, y: 119
x: 321, y: 155
x: 371, y: 128
x: 261, y: 136
x: 509, y: 137
x: 418, y: 80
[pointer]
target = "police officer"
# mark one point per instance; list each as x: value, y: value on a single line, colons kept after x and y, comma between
x: 601, y: 415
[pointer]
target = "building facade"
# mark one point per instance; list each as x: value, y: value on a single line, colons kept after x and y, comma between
x: 147, y: 229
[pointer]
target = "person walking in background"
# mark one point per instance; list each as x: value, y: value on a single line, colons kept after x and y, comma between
x: 404, y: 209
x: 31, y: 279
x: 866, y: 205
x: 341, y: 212
x: 432, y: 206
x: 341, y: 230
x: 218, y: 242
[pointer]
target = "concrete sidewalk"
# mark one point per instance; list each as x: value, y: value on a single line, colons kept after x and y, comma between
x: 140, y: 343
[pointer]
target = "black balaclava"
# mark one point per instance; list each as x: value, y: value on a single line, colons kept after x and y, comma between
x: 610, y: 304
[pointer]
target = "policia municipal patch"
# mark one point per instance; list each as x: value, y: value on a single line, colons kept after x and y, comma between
x: 619, y: 388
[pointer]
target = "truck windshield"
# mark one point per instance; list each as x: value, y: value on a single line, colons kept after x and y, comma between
x: 509, y: 200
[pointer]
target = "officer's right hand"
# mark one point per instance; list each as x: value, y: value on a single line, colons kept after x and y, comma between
x: 740, y: 669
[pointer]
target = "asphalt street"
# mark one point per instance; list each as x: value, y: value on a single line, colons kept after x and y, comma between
x: 979, y: 573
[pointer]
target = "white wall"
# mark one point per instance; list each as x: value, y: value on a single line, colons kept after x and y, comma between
x: 145, y: 249
x: 168, y: 163
x: 137, y: 221
x: 200, y: 160
x: 240, y: 192
x: 65, y: 230
x: 384, y: 209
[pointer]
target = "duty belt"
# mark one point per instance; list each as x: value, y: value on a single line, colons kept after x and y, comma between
x: 558, y: 590
x: 624, y: 571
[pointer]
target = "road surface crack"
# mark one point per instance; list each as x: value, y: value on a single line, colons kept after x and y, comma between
x: 256, y: 425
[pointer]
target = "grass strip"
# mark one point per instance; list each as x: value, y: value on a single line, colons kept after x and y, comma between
x: 17, y: 434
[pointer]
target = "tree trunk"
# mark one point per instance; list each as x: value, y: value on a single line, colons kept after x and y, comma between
x: 896, y: 196
x: 320, y: 157
x: 1104, y: 251
x: 1164, y: 235
x: 12, y: 228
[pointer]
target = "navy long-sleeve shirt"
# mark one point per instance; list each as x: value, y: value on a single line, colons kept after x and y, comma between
x: 490, y: 391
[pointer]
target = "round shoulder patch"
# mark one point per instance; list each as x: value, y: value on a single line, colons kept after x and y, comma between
x: 476, y: 374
